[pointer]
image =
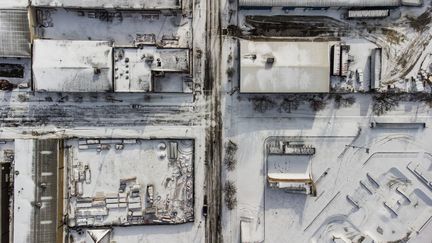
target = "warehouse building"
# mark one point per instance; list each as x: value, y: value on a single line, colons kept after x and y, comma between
x: 328, y: 3
x: 110, y: 4
x: 284, y: 67
x: 72, y: 66
x: 289, y: 166
x: 104, y: 191
x: 148, y: 69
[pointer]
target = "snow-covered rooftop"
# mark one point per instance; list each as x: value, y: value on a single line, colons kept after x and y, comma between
x: 72, y: 66
x: 24, y: 191
x: 13, y: 4
x: 134, y: 67
x: 118, y: 4
x: 284, y: 67
x: 123, y: 28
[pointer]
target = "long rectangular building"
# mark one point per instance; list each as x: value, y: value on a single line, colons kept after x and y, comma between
x: 320, y: 3
x: 110, y: 4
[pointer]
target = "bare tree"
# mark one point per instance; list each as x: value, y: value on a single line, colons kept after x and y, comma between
x: 384, y: 102
x: 317, y: 102
x: 420, y: 23
x: 230, y: 192
x: 230, y: 72
x: 5, y: 85
x: 290, y: 103
x: 230, y: 152
x: 23, y: 98
x: 343, y: 101
x: 422, y: 97
x: 263, y: 103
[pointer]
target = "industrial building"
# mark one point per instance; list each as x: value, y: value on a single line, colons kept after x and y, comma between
x: 46, y: 48
x: 37, y: 215
x: 14, y: 33
x: 284, y: 67
x: 15, y: 47
x: 95, y: 66
x: 72, y: 66
x: 59, y: 186
x: 110, y: 4
x: 137, y: 69
x: 288, y: 166
x: 5, y: 212
x: 125, y: 28
x: 328, y: 3
x: 121, y: 182
x: 6, y: 168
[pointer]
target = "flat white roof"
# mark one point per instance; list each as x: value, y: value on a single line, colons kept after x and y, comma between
x: 412, y: 2
x: 69, y: 66
x: 299, y: 67
x: 118, y: 4
x: 24, y: 190
x: 136, y: 74
x: 288, y: 176
x: 14, y: 4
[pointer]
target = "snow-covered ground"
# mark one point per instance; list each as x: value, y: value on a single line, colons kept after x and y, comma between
x: 277, y: 216
x: 403, y: 36
x: 271, y: 215
x: 188, y: 232
x: 390, y: 203
x: 184, y: 112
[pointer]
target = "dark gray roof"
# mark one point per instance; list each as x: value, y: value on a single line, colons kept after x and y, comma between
x: 14, y: 33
